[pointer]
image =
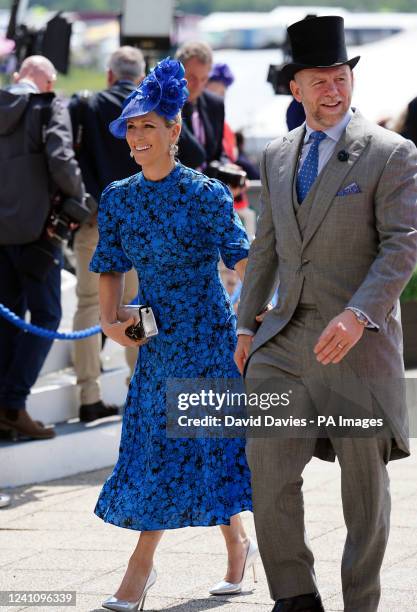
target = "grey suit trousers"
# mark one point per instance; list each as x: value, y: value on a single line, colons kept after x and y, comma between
x: 277, y: 465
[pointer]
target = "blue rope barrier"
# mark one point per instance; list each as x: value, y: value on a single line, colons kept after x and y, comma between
x: 46, y: 333
x: 10, y: 316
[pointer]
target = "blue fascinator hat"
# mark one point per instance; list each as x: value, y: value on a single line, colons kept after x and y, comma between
x: 164, y: 91
x: 222, y: 73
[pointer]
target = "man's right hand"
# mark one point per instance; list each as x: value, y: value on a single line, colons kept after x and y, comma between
x: 244, y: 343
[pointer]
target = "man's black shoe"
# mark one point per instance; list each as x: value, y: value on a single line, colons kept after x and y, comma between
x: 99, y: 410
x: 311, y: 602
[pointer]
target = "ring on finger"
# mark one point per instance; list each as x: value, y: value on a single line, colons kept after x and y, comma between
x: 340, y: 346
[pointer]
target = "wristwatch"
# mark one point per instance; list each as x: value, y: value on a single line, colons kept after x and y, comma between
x: 360, y: 317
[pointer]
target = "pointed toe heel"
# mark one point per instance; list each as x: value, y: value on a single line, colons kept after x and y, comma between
x: 121, y: 605
x: 234, y: 588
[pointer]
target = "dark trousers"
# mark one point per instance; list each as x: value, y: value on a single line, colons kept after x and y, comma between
x: 23, y: 354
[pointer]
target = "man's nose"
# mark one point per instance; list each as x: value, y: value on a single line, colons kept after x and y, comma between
x: 331, y: 87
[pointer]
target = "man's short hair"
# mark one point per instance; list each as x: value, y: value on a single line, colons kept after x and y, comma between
x: 127, y: 63
x: 200, y: 50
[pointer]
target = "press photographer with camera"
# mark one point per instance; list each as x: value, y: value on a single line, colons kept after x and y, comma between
x: 41, y: 200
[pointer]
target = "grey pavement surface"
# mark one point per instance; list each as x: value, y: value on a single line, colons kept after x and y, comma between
x: 51, y: 540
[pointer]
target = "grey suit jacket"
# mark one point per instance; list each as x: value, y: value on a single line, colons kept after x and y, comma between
x: 358, y: 250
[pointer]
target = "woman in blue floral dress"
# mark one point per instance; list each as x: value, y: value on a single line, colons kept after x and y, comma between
x: 170, y: 223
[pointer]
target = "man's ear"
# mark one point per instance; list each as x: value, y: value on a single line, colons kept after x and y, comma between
x: 295, y: 90
x: 111, y: 79
x: 15, y: 77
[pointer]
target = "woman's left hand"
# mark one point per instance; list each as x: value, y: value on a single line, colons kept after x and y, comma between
x: 117, y: 331
x: 124, y: 313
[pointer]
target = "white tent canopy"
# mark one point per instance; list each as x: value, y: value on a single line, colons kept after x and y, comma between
x: 384, y: 77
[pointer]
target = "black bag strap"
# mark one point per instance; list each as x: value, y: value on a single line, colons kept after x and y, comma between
x: 45, y: 114
x: 83, y: 97
x: 111, y: 97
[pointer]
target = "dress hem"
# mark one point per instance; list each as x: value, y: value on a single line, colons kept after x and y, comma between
x: 225, y: 521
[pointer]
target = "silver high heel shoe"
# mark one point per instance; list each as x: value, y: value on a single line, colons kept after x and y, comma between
x: 121, y: 605
x: 230, y: 588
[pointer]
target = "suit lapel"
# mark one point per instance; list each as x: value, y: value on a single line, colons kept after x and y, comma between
x: 353, y: 141
x: 287, y: 164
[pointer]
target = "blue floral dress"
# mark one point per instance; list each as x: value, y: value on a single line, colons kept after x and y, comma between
x: 172, y: 231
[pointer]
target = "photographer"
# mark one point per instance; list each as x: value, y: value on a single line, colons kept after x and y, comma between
x: 38, y: 173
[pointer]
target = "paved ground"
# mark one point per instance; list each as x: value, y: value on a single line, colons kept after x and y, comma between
x: 50, y: 539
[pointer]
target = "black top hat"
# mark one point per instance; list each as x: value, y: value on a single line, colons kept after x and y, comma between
x: 317, y: 42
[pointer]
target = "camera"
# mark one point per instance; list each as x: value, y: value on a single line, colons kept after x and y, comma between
x: 230, y: 174
x: 40, y: 256
x: 278, y: 80
x: 69, y: 211
x: 276, y: 76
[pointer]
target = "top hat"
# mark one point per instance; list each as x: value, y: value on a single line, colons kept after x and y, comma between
x: 317, y: 42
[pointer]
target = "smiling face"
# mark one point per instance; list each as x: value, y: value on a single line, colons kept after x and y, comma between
x: 149, y: 139
x: 325, y: 94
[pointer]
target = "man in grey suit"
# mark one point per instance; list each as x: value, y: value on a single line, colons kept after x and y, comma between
x: 337, y: 231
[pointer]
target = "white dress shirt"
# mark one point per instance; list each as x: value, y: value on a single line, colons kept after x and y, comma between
x: 326, y: 146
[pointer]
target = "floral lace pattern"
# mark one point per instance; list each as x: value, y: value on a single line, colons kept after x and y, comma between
x: 172, y: 232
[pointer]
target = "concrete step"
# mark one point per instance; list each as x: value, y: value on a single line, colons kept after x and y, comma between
x: 55, y: 397
x: 59, y: 356
x: 77, y: 448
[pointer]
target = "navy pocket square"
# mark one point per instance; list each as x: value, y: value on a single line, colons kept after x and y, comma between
x: 349, y: 190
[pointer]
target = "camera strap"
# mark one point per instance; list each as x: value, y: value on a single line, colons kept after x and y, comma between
x: 45, y: 115
x: 83, y: 97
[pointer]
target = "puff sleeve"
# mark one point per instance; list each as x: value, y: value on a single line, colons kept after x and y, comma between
x: 109, y: 255
x: 221, y: 224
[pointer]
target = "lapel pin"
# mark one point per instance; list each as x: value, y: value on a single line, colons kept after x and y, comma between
x: 343, y: 156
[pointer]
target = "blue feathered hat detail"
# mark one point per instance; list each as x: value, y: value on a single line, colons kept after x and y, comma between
x: 164, y: 91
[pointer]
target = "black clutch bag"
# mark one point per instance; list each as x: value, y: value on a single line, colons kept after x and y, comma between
x: 146, y: 327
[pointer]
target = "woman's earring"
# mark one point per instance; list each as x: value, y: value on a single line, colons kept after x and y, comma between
x: 173, y: 149
x: 131, y: 153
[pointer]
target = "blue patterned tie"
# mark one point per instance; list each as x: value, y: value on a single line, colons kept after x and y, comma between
x: 309, y: 169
